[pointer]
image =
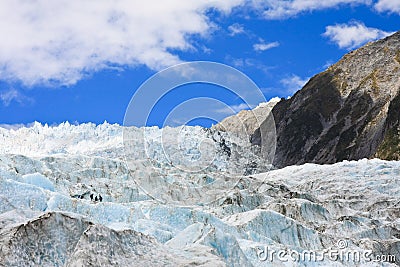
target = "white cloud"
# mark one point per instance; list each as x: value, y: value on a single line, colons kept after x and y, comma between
x: 13, y: 95
x: 282, y: 9
x: 265, y: 46
x: 293, y: 83
x: 62, y: 41
x: 243, y: 63
x: 353, y: 34
x: 236, y: 29
x: 392, y: 6
x: 230, y: 110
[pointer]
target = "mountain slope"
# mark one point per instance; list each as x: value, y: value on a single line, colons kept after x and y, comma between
x: 350, y: 111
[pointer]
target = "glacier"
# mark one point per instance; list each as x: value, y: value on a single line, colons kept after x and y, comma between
x: 243, y: 210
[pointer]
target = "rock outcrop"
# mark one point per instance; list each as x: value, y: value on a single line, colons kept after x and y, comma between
x: 350, y: 111
x: 247, y: 121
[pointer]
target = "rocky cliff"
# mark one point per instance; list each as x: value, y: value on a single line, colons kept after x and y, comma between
x: 350, y: 111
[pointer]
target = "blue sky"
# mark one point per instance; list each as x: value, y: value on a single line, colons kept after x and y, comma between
x: 82, y: 61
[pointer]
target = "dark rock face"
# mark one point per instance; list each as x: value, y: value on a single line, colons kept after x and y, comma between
x: 350, y: 111
x: 390, y: 149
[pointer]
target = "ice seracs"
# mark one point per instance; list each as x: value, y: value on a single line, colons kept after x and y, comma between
x: 306, y: 207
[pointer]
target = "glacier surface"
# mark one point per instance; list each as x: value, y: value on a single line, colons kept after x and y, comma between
x: 51, y: 176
